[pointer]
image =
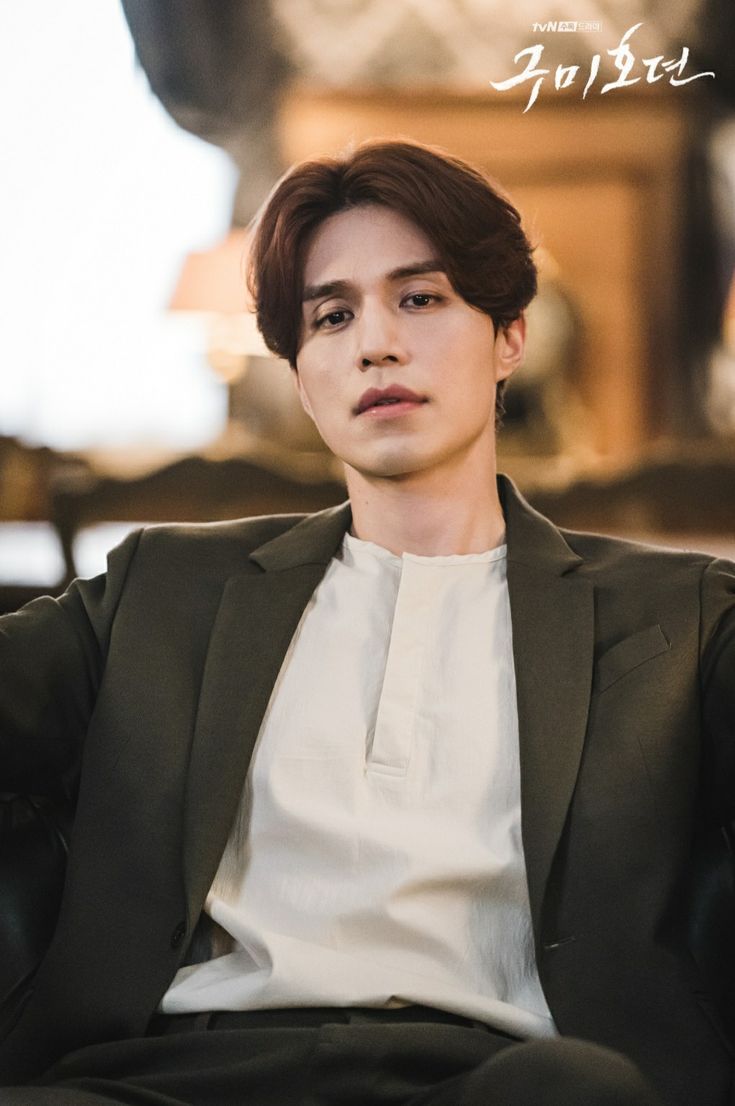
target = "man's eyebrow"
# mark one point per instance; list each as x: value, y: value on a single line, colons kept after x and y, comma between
x: 343, y: 287
x: 322, y: 291
x: 416, y: 268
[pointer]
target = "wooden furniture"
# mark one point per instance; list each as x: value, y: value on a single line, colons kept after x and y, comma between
x: 192, y: 489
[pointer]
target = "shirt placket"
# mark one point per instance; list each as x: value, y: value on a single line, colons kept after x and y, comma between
x: 390, y: 752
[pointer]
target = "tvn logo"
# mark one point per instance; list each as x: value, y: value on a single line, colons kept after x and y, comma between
x: 557, y: 25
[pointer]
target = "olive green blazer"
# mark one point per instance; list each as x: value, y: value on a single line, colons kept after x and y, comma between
x: 141, y: 693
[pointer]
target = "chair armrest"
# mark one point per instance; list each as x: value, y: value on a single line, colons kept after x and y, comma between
x: 33, y: 847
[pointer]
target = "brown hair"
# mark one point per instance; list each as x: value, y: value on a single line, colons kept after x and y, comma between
x: 476, y: 231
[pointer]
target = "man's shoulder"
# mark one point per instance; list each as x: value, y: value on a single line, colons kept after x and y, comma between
x: 609, y: 551
x: 245, y: 534
x: 202, y: 551
x: 622, y: 563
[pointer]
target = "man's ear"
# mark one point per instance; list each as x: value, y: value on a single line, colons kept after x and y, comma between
x: 301, y: 392
x: 510, y: 344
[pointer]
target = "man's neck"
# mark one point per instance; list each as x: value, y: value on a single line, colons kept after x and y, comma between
x: 421, y: 515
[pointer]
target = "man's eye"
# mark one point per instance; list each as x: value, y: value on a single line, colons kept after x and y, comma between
x: 421, y: 299
x: 332, y: 318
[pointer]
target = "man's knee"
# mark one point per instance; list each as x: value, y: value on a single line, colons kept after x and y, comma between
x: 564, y: 1072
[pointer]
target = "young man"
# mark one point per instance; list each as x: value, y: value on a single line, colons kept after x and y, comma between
x: 429, y: 778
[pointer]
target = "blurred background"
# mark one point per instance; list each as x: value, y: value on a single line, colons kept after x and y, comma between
x: 139, y: 137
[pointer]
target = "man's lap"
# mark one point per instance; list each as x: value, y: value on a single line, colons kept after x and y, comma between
x: 353, y: 1064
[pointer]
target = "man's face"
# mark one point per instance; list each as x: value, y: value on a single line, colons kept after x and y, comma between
x: 379, y: 312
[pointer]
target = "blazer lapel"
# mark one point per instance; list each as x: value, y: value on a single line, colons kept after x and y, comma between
x: 257, y: 617
x: 552, y: 613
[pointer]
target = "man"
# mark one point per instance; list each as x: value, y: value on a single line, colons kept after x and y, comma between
x: 427, y: 776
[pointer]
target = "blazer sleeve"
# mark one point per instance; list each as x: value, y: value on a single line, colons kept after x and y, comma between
x: 718, y: 683
x: 52, y: 658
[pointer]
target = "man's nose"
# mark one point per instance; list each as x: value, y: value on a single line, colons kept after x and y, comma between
x: 378, y: 339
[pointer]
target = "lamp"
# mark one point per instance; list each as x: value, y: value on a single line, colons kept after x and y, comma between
x: 262, y: 399
x: 212, y: 283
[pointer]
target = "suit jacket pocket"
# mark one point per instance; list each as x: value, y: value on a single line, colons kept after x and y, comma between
x: 628, y: 654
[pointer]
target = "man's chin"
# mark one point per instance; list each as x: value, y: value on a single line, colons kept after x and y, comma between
x: 394, y: 467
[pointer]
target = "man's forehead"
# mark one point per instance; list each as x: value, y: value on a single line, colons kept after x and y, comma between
x: 367, y: 238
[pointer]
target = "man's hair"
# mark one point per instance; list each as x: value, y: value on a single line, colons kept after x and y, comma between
x: 474, y: 228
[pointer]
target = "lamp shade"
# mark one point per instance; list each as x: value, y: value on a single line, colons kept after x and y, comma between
x: 214, y: 280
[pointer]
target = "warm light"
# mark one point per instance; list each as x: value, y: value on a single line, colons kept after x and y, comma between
x: 212, y: 282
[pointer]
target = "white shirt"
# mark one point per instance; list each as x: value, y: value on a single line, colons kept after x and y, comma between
x: 377, y: 857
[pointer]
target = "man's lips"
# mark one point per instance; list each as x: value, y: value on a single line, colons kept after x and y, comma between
x: 376, y: 400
